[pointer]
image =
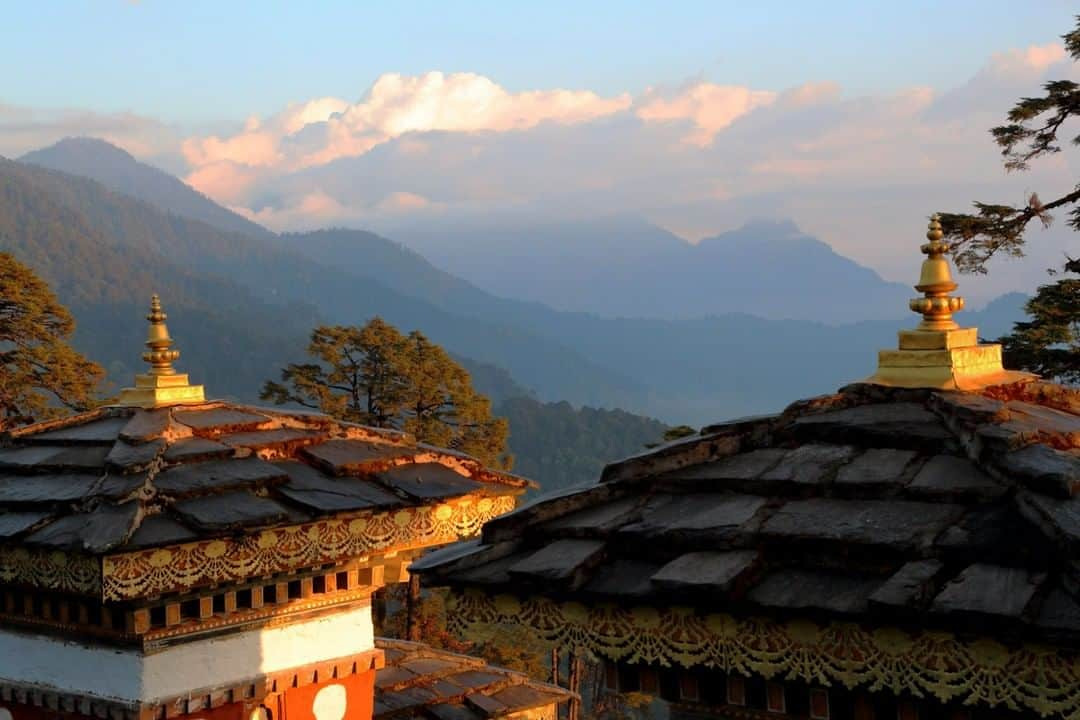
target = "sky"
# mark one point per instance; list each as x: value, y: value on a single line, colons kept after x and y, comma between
x: 855, y: 119
x: 208, y: 62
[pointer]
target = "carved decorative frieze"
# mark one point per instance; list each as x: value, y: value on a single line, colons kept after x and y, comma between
x: 925, y: 664
x: 180, y: 568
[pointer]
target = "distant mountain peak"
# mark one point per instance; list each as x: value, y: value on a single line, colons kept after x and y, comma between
x: 121, y: 172
x: 84, y: 144
x: 772, y: 225
x: 766, y: 233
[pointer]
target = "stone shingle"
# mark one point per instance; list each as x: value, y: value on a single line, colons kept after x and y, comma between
x: 899, y: 524
x: 810, y: 464
x: 988, y: 590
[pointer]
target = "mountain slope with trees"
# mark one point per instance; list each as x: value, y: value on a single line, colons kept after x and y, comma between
x: 230, y: 339
x: 561, y: 446
x: 278, y: 276
x: 685, y: 371
x: 227, y: 333
x: 118, y: 170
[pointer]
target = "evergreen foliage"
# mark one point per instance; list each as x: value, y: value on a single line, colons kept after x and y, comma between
x: 1049, y: 342
x: 1030, y: 133
x: 376, y: 376
x: 40, y: 373
x: 673, y: 433
x: 560, y: 446
x: 515, y: 649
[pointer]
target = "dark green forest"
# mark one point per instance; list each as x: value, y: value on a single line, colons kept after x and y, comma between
x: 563, y: 446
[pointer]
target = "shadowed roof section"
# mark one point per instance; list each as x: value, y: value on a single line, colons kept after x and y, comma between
x: 955, y: 510
x: 124, y: 478
x: 420, y: 681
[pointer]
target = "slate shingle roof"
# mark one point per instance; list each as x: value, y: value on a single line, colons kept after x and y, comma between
x: 126, y: 478
x: 420, y: 681
x: 931, y: 509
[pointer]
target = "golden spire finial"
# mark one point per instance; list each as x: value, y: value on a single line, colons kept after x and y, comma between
x: 939, y: 353
x: 162, y: 385
x: 160, y: 356
x: 935, y: 283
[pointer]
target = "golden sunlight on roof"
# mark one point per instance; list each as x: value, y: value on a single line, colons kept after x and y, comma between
x: 939, y: 353
x: 162, y: 385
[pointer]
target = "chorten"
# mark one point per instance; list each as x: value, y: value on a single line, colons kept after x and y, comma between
x: 171, y: 556
x: 162, y: 385
x: 938, y: 353
x: 906, y: 547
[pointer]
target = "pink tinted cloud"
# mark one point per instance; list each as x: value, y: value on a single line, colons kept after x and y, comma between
x: 320, y: 131
x: 710, y: 108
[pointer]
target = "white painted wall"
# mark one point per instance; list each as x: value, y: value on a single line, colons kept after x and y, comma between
x: 131, y: 675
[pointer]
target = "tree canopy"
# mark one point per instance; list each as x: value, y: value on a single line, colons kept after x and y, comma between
x: 1049, y: 342
x: 1031, y: 132
x: 40, y: 374
x: 375, y: 375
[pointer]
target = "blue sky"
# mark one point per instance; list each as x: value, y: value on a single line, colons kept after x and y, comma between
x: 199, y: 62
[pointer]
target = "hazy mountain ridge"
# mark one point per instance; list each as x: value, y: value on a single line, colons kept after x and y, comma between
x: 107, y: 288
x: 230, y: 340
x: 623, y: 267
x: 694, y: 371
x: 120, y: 171
x: 278, y: 275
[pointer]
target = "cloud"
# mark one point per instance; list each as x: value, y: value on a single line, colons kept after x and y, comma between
x: 710, y: 108
x: 320, y: 131
x: 1033, y: 59
x: 324, y: 209
x: 227, y: 182
x: 862, y: 171
x: 23, y: 129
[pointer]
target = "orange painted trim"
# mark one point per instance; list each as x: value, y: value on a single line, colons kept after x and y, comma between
x: 33, y: 703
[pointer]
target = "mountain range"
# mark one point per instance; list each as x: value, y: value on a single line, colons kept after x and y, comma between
x: 626, y: 267
x: 692, y: 370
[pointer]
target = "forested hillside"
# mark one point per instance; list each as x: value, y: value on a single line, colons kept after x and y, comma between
x: 118, y: 170
x: 276, y: 275
x: 693, y: 371
x: 231, y: 338
x: 105, y: 254
x: 560, y: 446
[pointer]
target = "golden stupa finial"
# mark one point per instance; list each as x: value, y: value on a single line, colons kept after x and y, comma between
x: 935, y: 283
x: 939, y: 353
x: 160, y: 356
x: 162, y: 385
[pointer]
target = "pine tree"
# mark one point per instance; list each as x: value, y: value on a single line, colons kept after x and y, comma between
x: 442, y: 408
x: 376, y: 376
x: 1047, y: 342
x: 40, y: 374
x: 358, y: 374
x: 1031, y: 133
